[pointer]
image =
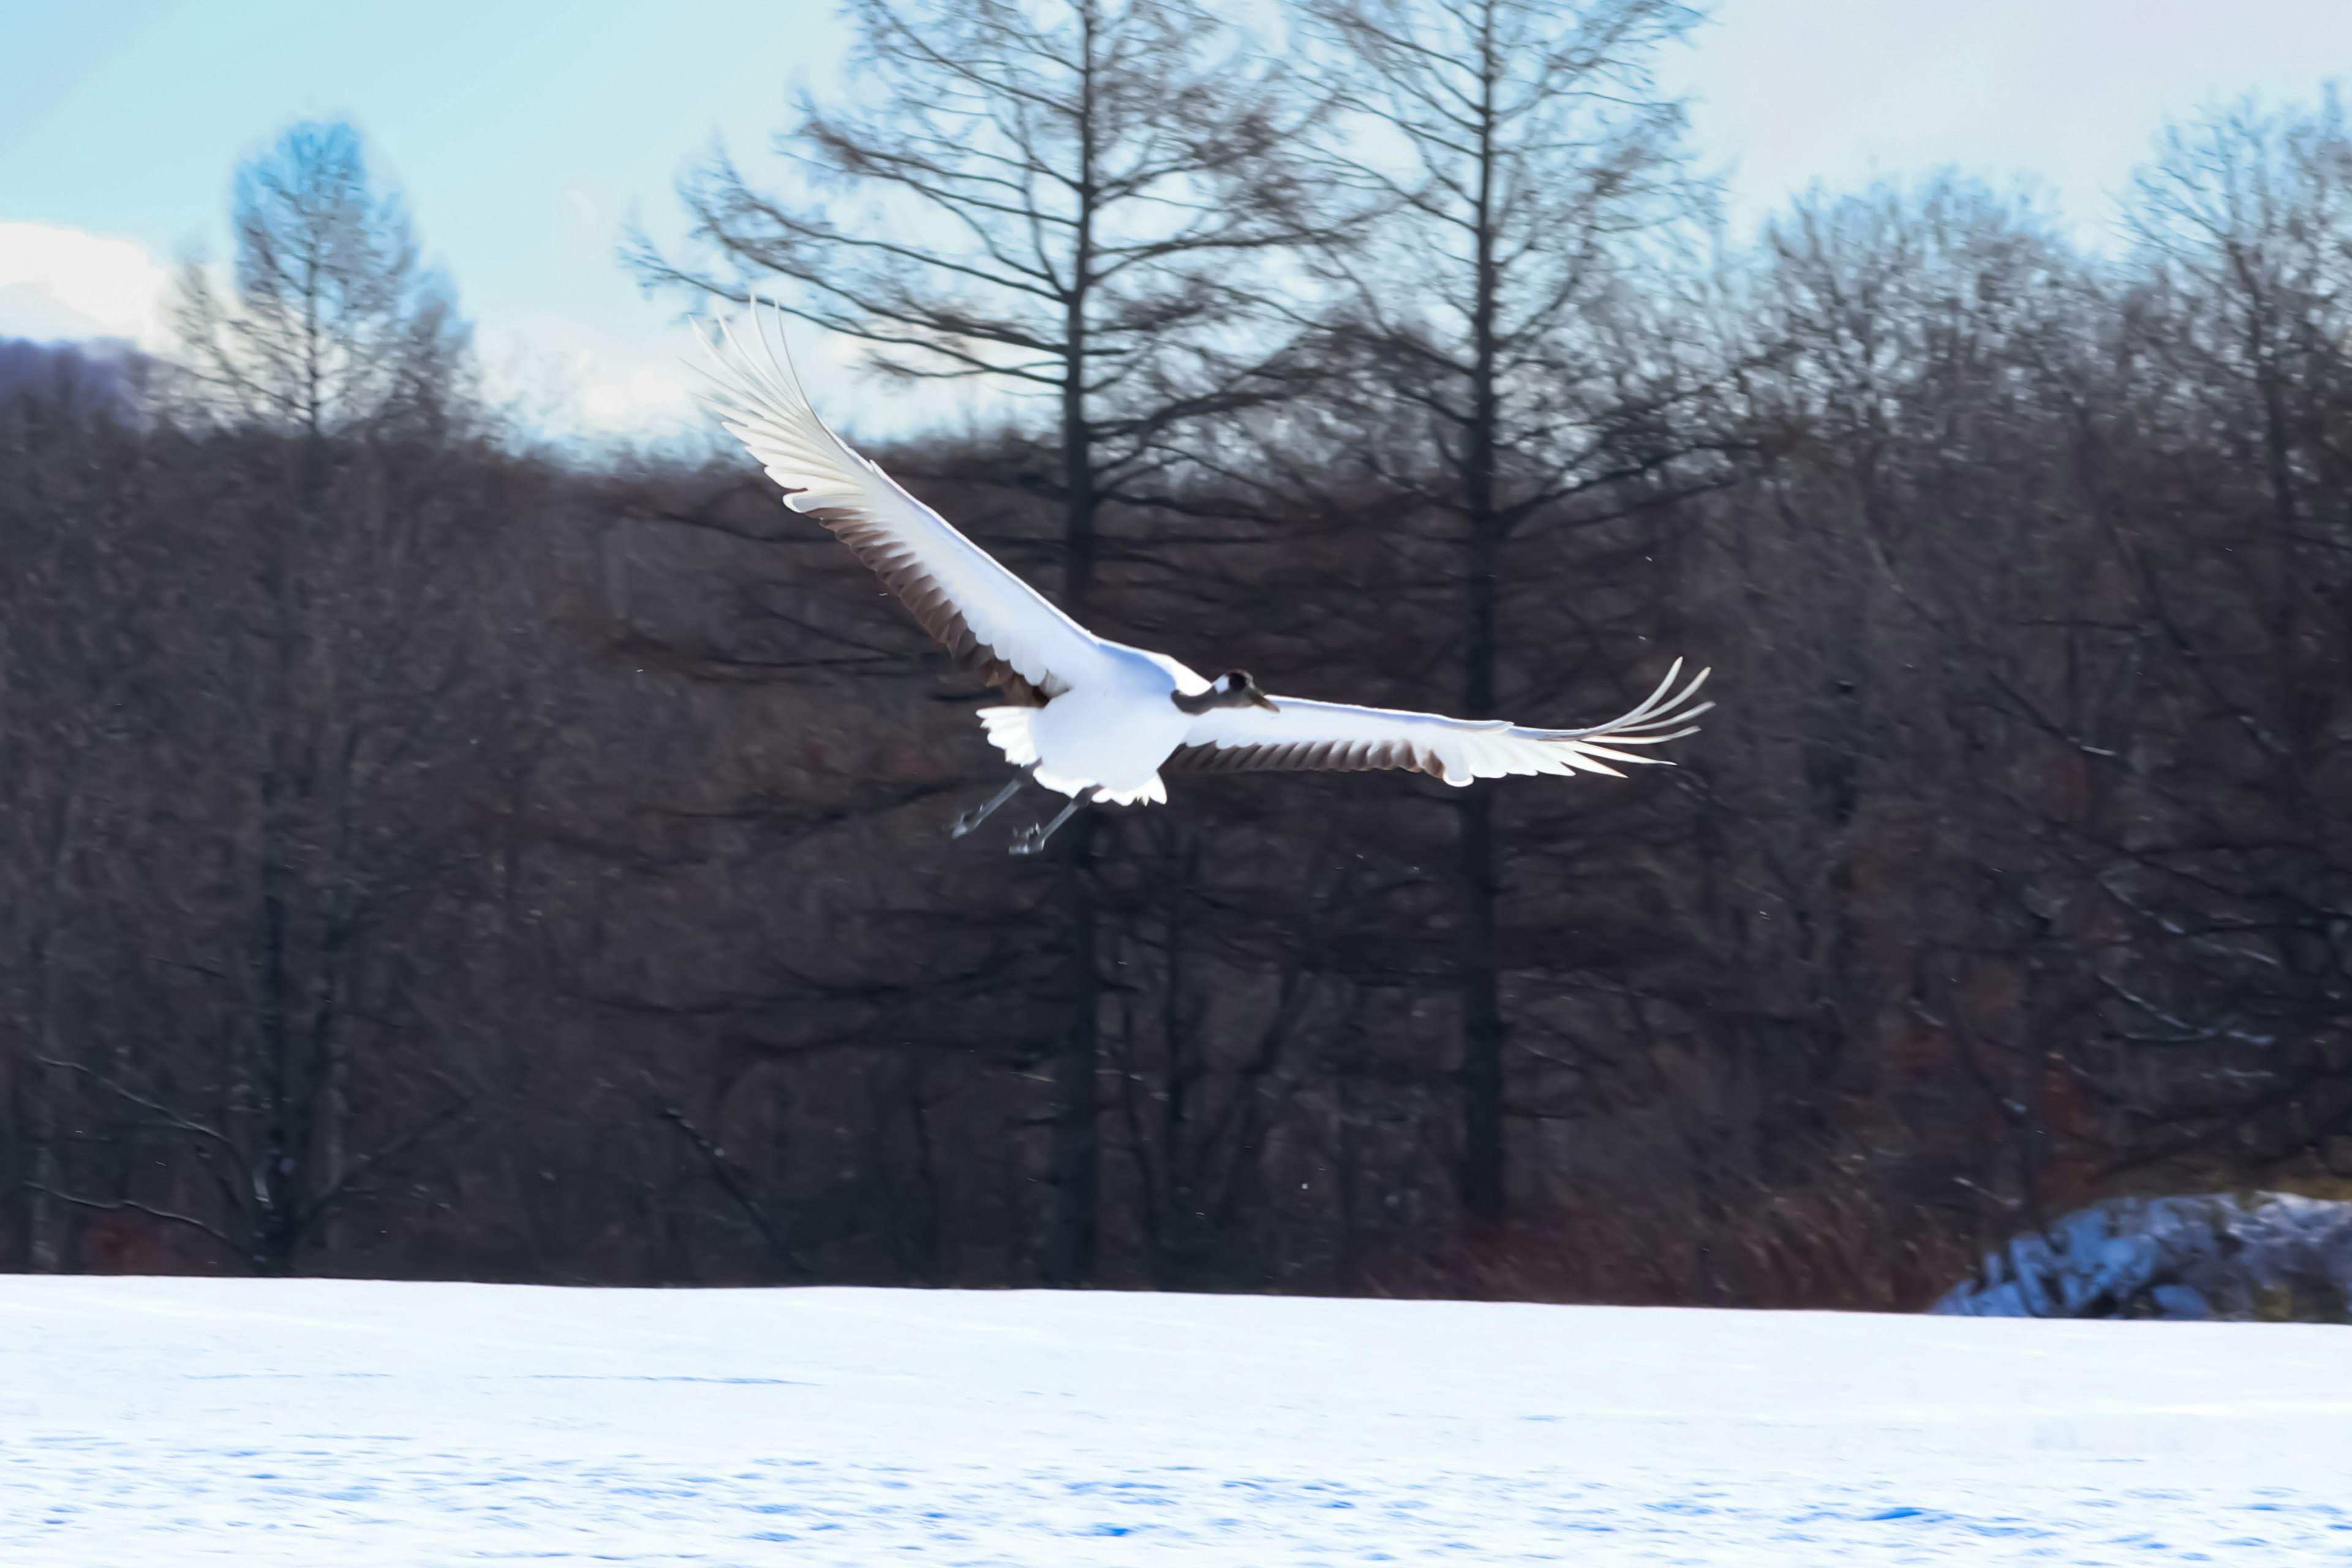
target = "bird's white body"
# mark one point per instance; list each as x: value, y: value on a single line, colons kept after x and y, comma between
x: 1109, y: 731
x: 1097, y: 720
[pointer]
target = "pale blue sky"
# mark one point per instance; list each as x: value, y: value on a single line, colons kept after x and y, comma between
x: 523, y: 134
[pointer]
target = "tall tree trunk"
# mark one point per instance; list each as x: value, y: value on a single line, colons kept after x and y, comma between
x: 276, y: 1083
x: 1076, y: 1172
x: 273, y: 1151
x: 1074, y: 1168
x: 1483, y: 1030
x: 45, y: 1087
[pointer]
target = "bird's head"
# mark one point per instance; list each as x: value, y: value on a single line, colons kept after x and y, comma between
x: 1234, y: 689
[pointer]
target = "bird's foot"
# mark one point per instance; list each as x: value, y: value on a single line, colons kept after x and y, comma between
x: 981, y: 813
x: 1031, y: 839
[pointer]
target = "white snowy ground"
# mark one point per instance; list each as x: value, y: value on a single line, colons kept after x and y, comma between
x: 345, y: 1424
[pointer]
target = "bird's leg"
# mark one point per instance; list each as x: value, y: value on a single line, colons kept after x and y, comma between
x: 1030, y: 840
x: 971, y: 819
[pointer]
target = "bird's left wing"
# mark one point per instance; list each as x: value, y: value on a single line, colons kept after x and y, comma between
x: 1299, y: 733
x: 963, y: 595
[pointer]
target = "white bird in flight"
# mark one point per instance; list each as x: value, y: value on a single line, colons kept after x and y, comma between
x: 1097, y: 720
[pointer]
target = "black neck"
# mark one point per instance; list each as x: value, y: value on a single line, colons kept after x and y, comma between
x: 1196, y: 705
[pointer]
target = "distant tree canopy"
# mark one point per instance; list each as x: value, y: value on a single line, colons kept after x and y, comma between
x: 421, y: 857
x: 86, y: 378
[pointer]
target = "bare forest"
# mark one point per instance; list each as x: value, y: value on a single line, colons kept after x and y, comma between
x: 426, y: 852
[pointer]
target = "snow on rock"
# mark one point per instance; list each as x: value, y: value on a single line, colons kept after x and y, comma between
x: 348, y: 1423
x: 2265, y: 1255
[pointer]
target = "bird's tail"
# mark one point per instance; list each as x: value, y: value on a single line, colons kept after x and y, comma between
x: 1008, y: 732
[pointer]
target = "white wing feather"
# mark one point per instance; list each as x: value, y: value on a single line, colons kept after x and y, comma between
x: 1301, y: 733
x: 960, y: 593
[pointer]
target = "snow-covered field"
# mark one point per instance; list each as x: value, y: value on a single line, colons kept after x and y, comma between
x: 344, y: 1425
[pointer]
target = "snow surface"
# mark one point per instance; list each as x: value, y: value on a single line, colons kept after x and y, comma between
x: 2261, y: 1256
x: 348, y: 1424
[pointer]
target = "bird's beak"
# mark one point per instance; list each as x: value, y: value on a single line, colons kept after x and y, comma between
x: 1263, y: 700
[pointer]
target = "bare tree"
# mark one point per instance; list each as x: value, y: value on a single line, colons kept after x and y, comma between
x: 2228, y: 868
x: 330, y: 321
x: 1497, y: 319
x: 1903, y: 651
x: 1068, y: 202
x: 79, y: 692
x: 317, y: 718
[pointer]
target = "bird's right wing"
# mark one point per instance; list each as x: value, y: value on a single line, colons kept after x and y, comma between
x: 960, y: 593
x: 1300, y: 733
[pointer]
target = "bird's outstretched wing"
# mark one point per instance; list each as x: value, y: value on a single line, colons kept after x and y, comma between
x: 960, y: 593
x: 1297, y: 734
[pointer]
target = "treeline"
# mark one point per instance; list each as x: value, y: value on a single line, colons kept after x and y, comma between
x: 425, y: 857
